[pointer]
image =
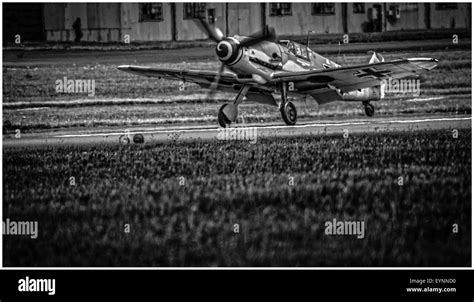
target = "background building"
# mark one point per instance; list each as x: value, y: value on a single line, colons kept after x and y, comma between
x: 112, y: 22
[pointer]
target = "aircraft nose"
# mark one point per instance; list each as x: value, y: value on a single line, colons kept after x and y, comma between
x: 224, y: 50
x: 227, y: 50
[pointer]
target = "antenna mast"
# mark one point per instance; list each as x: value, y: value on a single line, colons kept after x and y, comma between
x: 307, y: 38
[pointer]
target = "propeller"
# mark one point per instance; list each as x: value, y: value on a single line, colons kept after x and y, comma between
x: 215, y: 83
x: 227, y: 49
x: 214, y: 33
x: 266, y: 34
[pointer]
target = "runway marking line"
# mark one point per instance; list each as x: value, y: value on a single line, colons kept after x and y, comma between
x: 267, y: 127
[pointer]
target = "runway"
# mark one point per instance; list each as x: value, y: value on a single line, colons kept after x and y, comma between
x: 211, y: 132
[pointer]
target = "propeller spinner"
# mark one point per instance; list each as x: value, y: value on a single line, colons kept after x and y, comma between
x: 229, y: 51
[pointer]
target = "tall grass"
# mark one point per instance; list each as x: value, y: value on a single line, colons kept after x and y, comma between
x: 182, y: 201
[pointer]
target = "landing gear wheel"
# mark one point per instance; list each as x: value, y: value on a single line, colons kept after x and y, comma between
x: 124, y: 140
x: 222, y: 119
x: 369, y: 109
x: 288, y: 113
x: 7, y: 124
x: 138, y: 139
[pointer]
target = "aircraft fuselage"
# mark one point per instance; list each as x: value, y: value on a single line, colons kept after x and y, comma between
x: 260, y: 62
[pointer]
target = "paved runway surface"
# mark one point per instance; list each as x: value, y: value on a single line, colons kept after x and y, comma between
x: 249, y: 132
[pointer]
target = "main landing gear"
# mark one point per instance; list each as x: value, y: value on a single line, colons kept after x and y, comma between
x: 287, y: 108
x: 228, y: 112
x: 369, y: 109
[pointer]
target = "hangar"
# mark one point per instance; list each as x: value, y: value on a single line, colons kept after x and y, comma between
x: 146, y: 22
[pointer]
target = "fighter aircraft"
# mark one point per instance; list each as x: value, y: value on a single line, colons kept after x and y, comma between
x: 263, y: 70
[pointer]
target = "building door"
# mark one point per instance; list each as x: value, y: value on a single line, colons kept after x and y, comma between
x: 377, y: 11
x: 427, y: 16
x: 239, y: 18
x: 344, y: 17
x: 244, y: 18
x: 25, y: 20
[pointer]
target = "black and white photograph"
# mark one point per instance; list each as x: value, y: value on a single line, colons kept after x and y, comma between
x: 236, y: 135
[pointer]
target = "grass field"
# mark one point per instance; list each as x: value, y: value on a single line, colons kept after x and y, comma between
x: 31, y: 102
x: 183, y: 199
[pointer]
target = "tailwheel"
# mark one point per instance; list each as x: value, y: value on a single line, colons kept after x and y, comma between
x: 369, y: 109
x: 222, y: 118
x: 288, y: 113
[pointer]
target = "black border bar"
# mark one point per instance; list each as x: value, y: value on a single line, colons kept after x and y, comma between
x: 242, y: 283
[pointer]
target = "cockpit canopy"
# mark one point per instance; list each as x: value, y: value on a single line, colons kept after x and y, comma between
x: 295, y: 48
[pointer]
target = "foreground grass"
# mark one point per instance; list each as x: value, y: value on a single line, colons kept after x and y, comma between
x: 183, y: 199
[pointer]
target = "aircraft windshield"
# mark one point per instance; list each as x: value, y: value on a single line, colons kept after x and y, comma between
x: 298, y: 50
x: 284, y: 42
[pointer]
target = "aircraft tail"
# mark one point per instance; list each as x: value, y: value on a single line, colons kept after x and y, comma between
x: 377, y: 58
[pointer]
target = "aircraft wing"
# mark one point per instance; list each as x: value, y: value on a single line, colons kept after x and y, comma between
x: 200, y: 77
x: 358, y: 76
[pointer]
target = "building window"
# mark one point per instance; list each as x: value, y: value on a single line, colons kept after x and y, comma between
x: 151, y: 12
x: 323, y: 9
x: 280, y: 9
x: 211, y: 16
x: 194, y: 10
x: 358, y: 8
x: 446, y: 6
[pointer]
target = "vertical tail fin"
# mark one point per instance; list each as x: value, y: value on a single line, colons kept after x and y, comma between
x: 377, y: 58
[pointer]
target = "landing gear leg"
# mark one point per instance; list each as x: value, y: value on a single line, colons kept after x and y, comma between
x: 228, y: 112
x: 369, y: 108
x: 287, y: 109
